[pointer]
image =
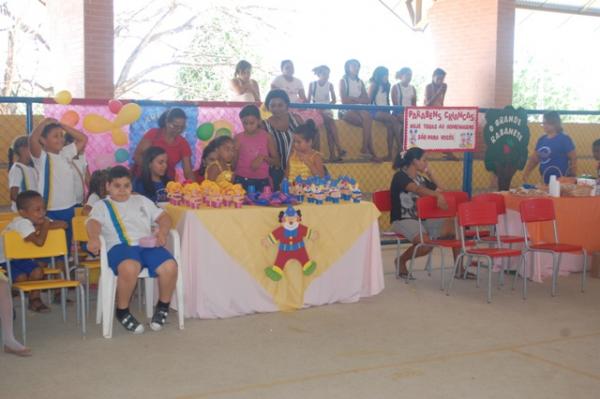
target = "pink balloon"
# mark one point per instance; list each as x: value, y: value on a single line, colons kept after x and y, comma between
x: 115, y: 106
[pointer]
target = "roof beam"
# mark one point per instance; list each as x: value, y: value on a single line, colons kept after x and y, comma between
x: 559, y: 8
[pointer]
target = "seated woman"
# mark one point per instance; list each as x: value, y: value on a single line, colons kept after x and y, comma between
x: 288, y: 83
x: 414, y: 179
x: 243, y: 87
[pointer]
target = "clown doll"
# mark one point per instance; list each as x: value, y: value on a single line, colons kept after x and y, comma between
x: 290, y: 237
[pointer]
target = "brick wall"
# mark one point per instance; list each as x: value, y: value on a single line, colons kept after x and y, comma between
x: 474, y: 41
x: 83, y: 46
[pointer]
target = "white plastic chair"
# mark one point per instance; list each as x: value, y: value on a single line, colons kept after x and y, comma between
x: 107, y: 288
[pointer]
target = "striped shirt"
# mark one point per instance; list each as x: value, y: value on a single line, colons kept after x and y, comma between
x: 283, y: 139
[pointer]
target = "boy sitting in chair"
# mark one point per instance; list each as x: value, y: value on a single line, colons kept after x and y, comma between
x: 125, y: 221
x: 33, y: 226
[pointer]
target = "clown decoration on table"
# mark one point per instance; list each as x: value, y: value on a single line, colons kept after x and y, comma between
x: 290, y: 237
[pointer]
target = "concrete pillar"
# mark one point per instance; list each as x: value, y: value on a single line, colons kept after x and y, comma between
x: 474, y: 43
x: 82, y: 44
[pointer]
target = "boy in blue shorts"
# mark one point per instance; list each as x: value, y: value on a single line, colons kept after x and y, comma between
x: 33, y: 226
x: 123, y: 219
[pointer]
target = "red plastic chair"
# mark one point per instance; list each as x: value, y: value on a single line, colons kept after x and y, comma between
x: 476, y: 214
x: 460, y: 197
x: 427, y: 209
x: 383, y: 202
x: 498, y: 199
x: 537, y: 210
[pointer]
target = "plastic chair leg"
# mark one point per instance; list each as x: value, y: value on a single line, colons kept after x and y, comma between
x: 82, y: 297
x: 109, y: 290
x: 99, y: 302
x: 63, y: 303
x: 23, y: 315
x: 442, y: 269
x: 490, y: 272
x: 149, y: 290
x: 456, y: 263
x: 585, y: 260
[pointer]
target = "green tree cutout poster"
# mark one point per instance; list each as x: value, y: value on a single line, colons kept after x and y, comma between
x: 506, y: 135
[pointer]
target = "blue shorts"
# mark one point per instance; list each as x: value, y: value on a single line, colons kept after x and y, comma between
x: 66, y: 215
x: 149, y: 258
x: 20, y: 266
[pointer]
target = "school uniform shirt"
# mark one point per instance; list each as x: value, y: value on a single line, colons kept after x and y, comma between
x: 553, y: 154
x: 55, y: 181
x: 292, y: 88
x: 24, y: 177
x: 92, y: 199
x: 404, y: 203
x: 79, y: 166
x: 125, y: 222
x: 22, y: 226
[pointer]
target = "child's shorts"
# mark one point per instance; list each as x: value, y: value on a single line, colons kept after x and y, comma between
x: 149, y: 258
x: 20, y: 266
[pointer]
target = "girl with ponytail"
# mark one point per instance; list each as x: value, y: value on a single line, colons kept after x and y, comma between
x: 304, y: 161
x: 21, y: 174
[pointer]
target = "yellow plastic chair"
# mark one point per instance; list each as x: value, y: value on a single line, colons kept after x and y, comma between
x: 55, y: 246
x: 8, y: 216
x: 80, y: 236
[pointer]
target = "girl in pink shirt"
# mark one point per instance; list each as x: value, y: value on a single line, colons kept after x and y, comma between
x: 255, y: 150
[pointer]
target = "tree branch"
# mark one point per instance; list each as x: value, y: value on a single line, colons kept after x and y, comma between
x: 22, y: 26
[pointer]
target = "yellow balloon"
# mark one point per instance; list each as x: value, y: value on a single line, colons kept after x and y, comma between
x: 223, y: 124
x: 264, y: 113
x: 63, y: 97
x: 128, y: 114
x: 96, y: 124
x: 119, y: 138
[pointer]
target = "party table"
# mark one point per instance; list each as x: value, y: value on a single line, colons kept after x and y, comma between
x: 578, y: 221
x: 225, y: 254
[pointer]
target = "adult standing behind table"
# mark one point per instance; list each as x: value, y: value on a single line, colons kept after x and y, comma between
x: 554, y: 151
x: 243, y: 87
x: 281, y: 125
x: 288, y: 83
x: 167, y: 136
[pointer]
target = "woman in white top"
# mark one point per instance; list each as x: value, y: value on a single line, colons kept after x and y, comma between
x: 322, y: 92
x: 288, y: 83
x: 21, y: 175
x: 352, y: 91
x: 379, y: 94
x: 243, y: 88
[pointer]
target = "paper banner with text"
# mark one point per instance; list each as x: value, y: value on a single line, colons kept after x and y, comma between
x: 440, y: 128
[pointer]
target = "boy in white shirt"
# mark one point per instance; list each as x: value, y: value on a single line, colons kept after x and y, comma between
x: 52, y: 160
x: 123, y: 220
x: 21, y: 175
x: 33, y: 226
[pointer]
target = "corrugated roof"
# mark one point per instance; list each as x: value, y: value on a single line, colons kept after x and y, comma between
x: 577, y: 7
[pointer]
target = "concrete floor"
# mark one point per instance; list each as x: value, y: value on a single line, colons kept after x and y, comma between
x: 409, y: 341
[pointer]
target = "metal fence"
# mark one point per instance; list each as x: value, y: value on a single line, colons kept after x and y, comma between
x: 18, y: 115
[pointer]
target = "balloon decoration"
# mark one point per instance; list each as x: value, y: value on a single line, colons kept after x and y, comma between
x: 121, y: 155
x: 223, y: 128
x: 223, y: 132
x: 115, y: 106
x: 63, y: 97
x: 264, y: 112
x: 128, y: 114
x: 119, y: 138
x: 70, y: 118
x: 205, y: 131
